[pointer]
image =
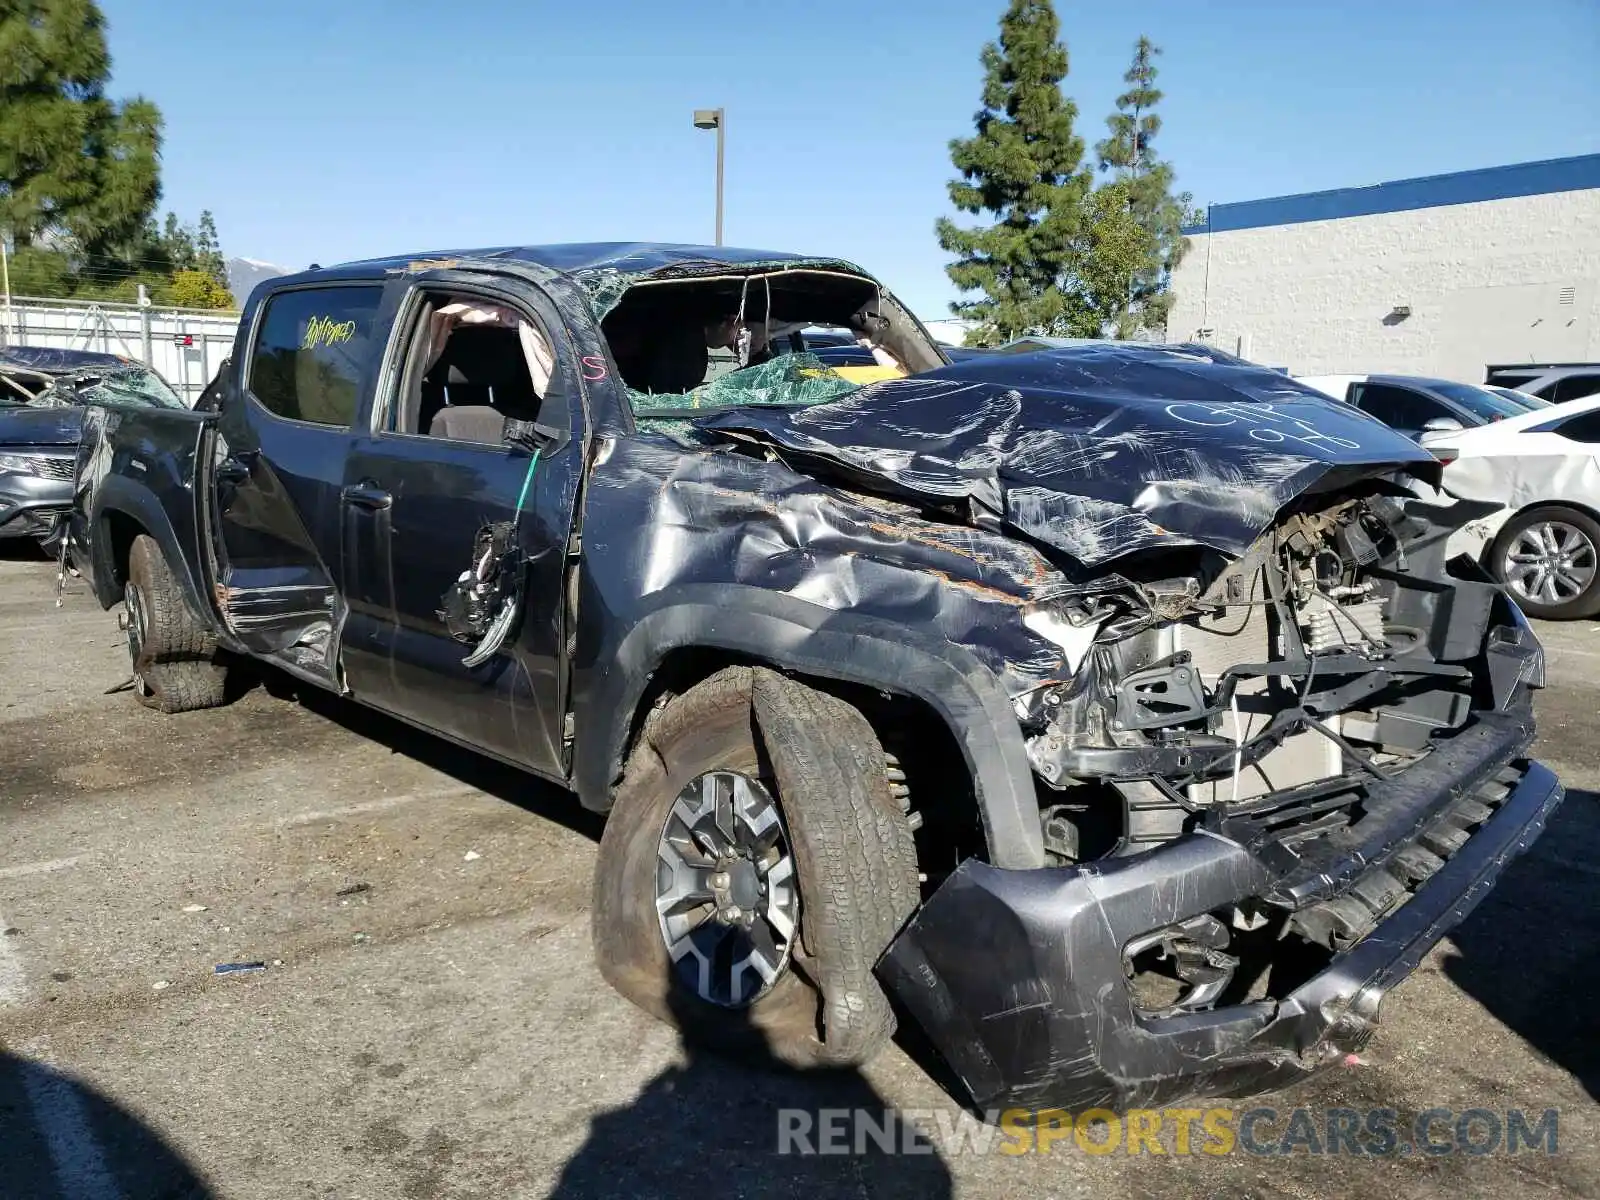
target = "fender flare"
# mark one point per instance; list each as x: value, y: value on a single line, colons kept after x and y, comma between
x: 118, y: 494
x: 791, y: 634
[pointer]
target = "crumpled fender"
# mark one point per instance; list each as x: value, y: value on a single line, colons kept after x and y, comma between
x: 791, y: 634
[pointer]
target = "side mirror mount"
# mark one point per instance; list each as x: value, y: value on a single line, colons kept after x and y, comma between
x: 534, y: 437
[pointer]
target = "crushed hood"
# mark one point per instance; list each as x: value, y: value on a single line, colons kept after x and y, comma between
x: 1097, y: 451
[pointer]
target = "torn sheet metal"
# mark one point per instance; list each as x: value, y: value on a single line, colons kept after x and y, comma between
x: 1097, y: 451
x: 1040, y: 1019
x: 661, y: 517
x: 481, y: 607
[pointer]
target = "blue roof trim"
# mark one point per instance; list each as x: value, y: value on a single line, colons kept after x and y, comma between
x: 1429, y: 191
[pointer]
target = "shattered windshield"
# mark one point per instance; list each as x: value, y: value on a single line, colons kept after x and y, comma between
x: 136, y: 386
x: 788, y: 380
x: 787, y: 337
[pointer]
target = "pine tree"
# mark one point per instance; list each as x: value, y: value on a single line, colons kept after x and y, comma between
x: 178, y: 243
x: 72, y: 162
x: 1024, y: 164
x: 1129, y: 153
x: 208, y: 251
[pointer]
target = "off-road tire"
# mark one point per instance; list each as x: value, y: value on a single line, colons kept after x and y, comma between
x: 854, y: 856
x: 1587, y: 602
x: 175, y: 665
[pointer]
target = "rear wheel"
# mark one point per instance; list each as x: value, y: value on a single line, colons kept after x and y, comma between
x: 754, y: 867
x: 175, y: 667
x: 1549, y: 560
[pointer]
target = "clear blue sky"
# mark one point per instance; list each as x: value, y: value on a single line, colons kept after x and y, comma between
x: 337, y: 129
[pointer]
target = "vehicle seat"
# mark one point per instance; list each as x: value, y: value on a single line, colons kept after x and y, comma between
x: 469, y: 423
x: 676, y: 359
x: 481, y: 367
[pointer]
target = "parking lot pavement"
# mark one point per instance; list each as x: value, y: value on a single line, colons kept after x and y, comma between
x: 429, y: 1022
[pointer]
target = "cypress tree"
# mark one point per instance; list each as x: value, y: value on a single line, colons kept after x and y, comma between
x: 1023, y: 165
x: 1129, y: 153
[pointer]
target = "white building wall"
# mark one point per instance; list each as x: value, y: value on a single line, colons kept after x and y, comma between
x: 1487, y: 282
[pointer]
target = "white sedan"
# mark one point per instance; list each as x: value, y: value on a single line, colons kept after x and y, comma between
x: 1544, y: 467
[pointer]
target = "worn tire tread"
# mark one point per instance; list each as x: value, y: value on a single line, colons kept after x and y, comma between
x: 854, y: 846
x: 180, y: 655
x: 854, y: 853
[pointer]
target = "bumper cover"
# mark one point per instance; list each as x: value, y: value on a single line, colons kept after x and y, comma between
x: 1017, y: 976
x: 29, y: 504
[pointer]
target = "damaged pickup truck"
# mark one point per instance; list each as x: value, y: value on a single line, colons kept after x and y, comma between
x: 1115, y: 710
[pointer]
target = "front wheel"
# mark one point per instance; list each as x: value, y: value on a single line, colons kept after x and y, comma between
x: 175, y: 667
x: 754, y: 867
x: 1549, y: 560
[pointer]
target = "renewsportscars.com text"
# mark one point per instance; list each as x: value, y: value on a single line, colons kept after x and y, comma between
x: 1261, y: 1130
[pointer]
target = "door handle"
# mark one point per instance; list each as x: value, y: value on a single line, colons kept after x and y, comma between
x: 368, y: 495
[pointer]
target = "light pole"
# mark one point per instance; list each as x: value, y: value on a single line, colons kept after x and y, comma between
x: 714, y: 118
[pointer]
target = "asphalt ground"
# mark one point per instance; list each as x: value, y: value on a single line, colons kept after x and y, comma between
x: 430, y: 1023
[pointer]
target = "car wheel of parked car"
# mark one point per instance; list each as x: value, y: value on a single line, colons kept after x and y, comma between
x: 1549, y: 559
x: 754, y: 867
x: 175, y: 665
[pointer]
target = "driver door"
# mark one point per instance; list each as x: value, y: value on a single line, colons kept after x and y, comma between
x: 420, y: 488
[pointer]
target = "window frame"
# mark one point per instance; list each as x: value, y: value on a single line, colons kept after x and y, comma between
x: 1556, y: 388
x: 1561, y: 427
x: 1446, y: 408
x: 258, y: 322
x: 395, y: 367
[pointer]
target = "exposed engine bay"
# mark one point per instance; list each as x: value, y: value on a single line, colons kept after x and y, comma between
x: 1292, y: 662
x: 1326, y: 659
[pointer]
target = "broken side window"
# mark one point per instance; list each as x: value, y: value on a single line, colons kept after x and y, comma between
x: 473, y: 365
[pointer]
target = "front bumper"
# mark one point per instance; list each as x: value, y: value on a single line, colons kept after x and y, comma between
x: 1017, y: 976
x: 30, y: 504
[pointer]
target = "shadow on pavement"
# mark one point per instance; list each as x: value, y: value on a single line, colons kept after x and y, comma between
x: 62, y: 1139
x: 710, y: 1127
x: 22, y: 549
x: 1530, y: 952
x: 714, y: 1127
x: 470, y: 767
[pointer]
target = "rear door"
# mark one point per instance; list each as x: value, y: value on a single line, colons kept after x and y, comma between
x: 421, y: 488
x: 278, y: 470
